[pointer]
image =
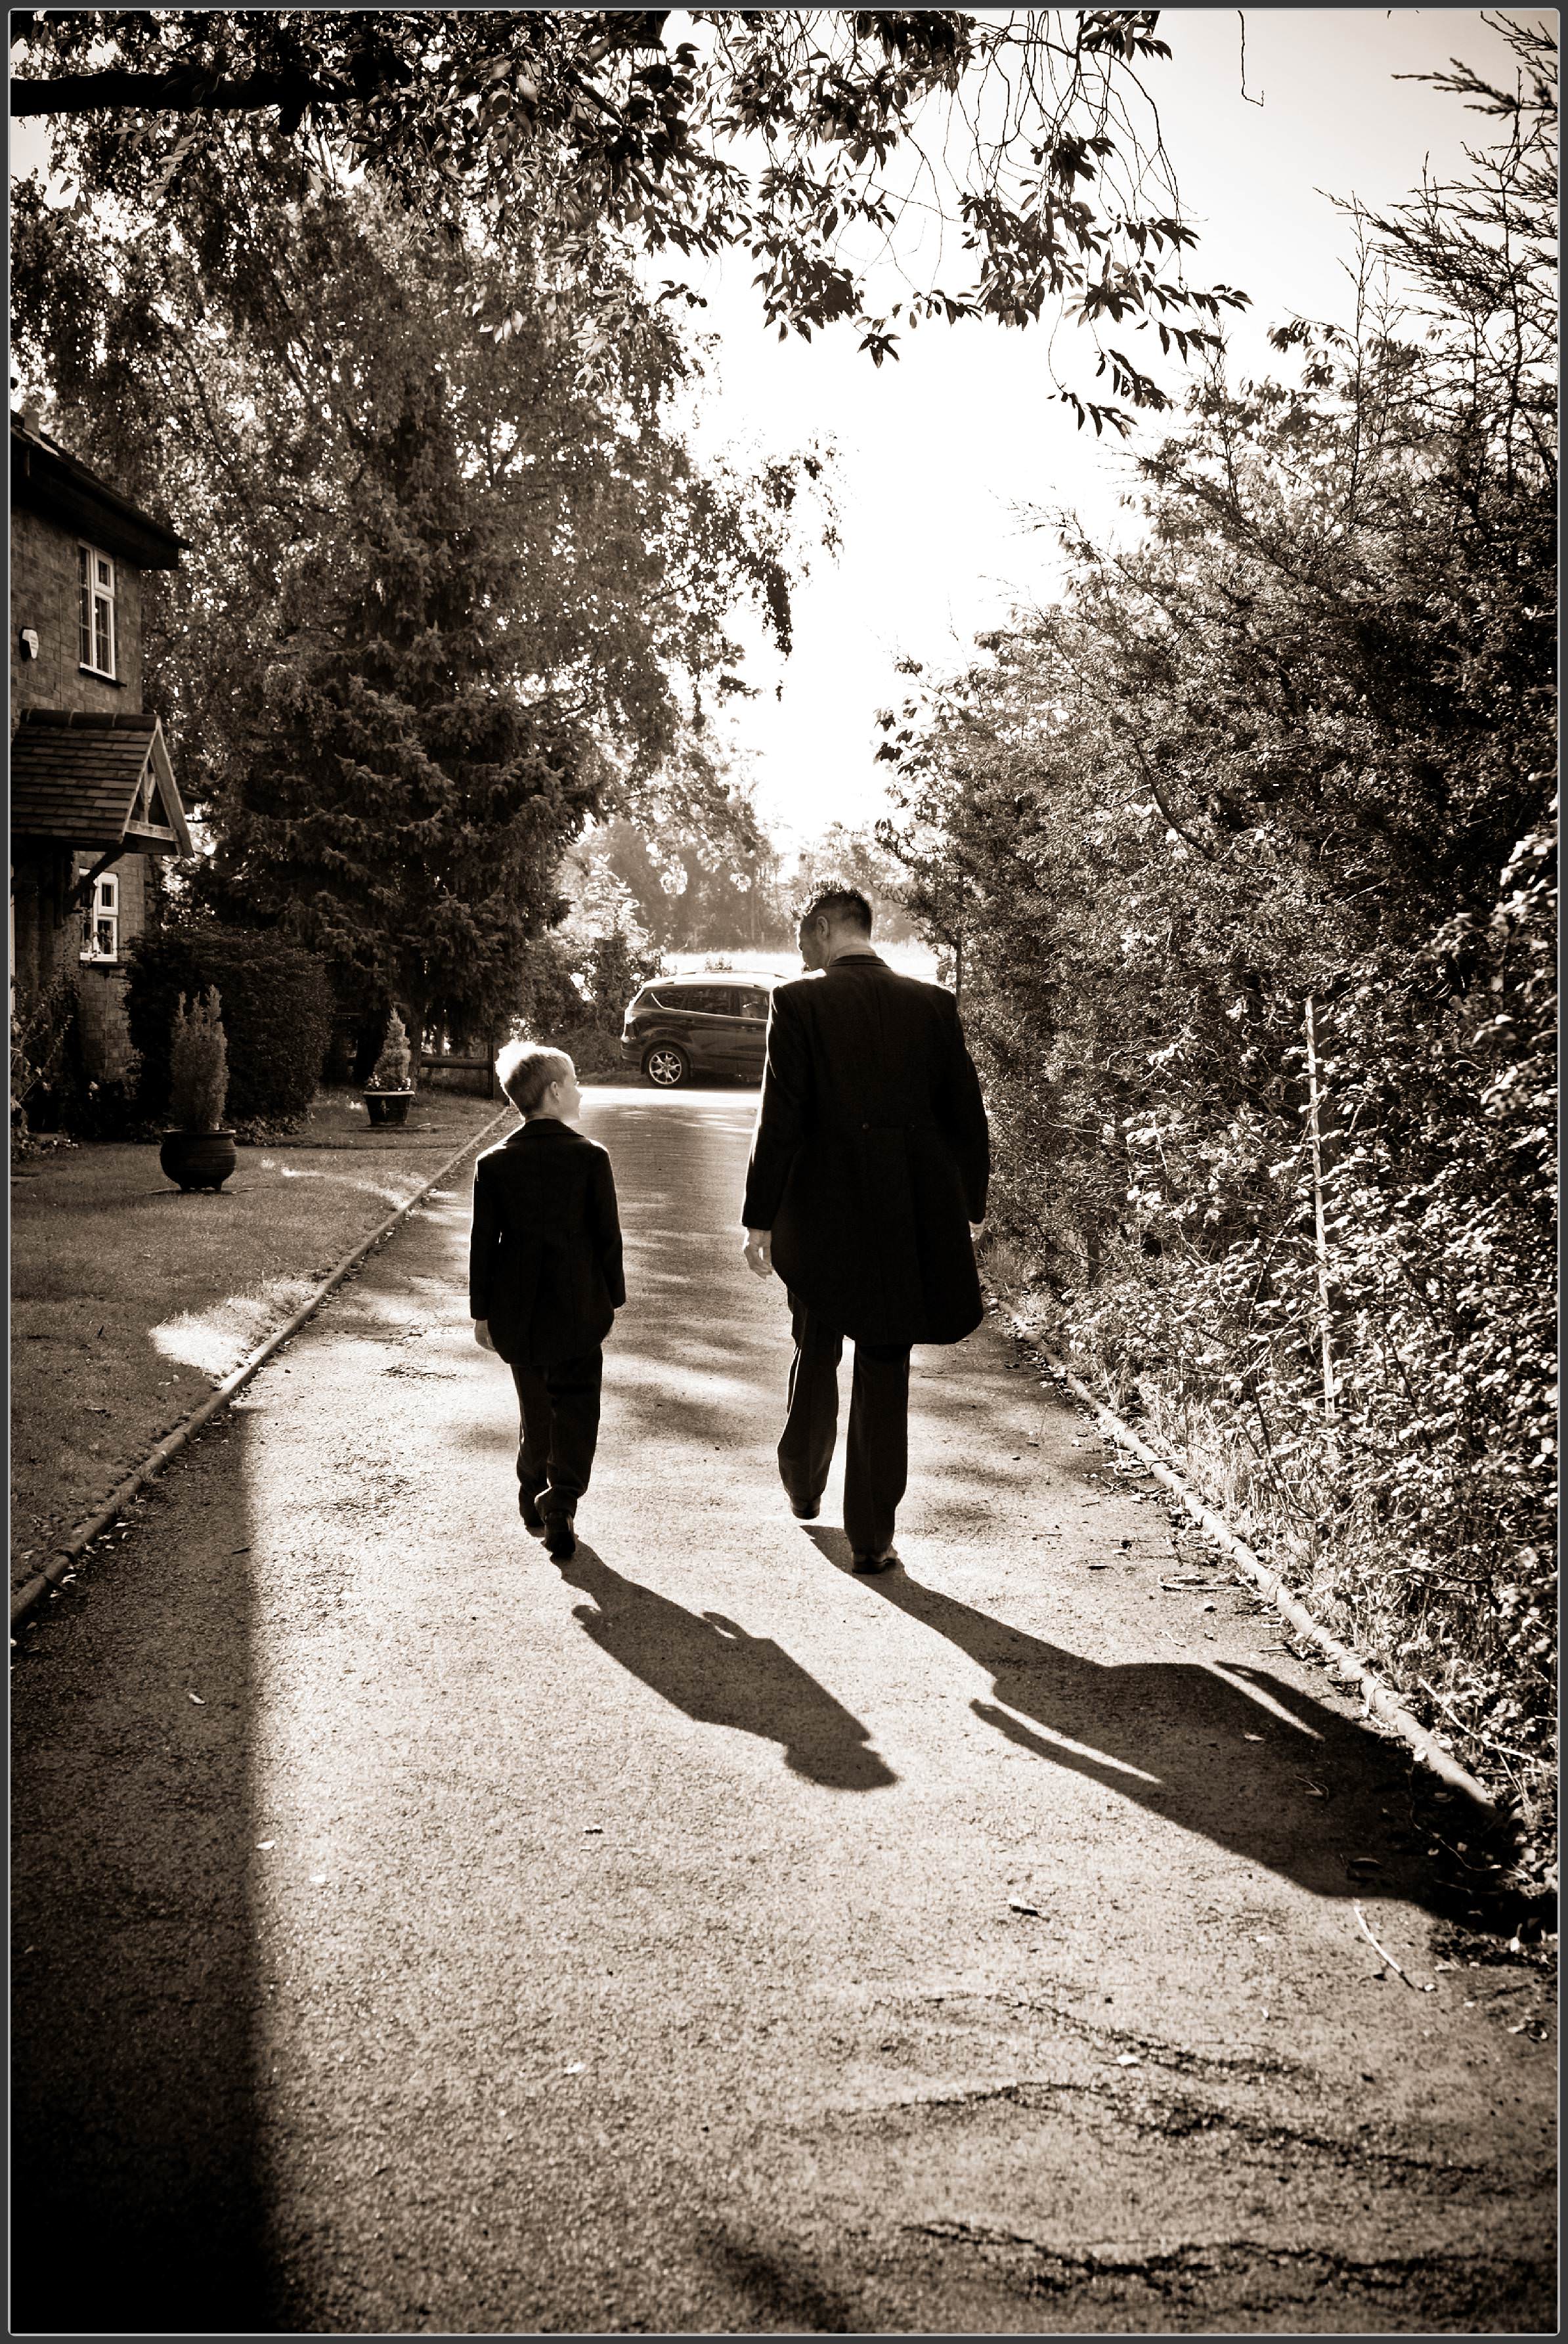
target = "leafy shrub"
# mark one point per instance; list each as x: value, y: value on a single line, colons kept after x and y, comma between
x: 575, y: 991
x: 198, y: 1067
x: 276, y: 1013
x: 52, y: 1090
x: 40, y: 1038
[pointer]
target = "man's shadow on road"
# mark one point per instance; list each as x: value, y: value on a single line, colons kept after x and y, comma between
x: 711, y: 1668
x: 1299, y: 1793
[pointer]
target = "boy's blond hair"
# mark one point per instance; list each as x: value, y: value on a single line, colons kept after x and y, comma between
x: 527, y: 1070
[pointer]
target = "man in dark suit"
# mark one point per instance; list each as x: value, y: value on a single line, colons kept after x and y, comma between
x: 545, y: 1282
x: 865, y: 1189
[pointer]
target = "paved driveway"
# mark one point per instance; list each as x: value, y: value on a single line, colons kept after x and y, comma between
x: 412, y: 1934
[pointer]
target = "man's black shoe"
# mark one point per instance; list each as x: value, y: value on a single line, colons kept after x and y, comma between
x: 559, y: 1538
x: 884, y: 1559
x: 528, y: 1506
x: 806, y: 1513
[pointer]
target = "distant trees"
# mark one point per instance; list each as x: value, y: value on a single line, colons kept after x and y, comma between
x: 726, y: 885
x: 844, y: 851
x: 704, y: 878
x: 1253, y: 833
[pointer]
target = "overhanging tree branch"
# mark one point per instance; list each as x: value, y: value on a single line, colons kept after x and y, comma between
x: 184, y: 90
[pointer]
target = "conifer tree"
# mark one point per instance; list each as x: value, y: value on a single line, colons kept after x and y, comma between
x: 406, y: 808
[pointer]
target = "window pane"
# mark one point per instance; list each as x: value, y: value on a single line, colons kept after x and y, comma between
x: 82, y: 563
x: 106, y: 939
x: 84, y: 630
x: 105, y: 636
x: 106, y: 573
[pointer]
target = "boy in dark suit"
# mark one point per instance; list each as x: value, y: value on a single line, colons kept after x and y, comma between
x: 545, y: 1281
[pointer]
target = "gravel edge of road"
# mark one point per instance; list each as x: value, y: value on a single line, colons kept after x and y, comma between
x: 1381, y: 1699
x: 47, y: 1580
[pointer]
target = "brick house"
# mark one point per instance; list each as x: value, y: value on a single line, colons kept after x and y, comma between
x: 96, y: 813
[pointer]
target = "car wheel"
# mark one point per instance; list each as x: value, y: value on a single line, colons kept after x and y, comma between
x: 666, y: 1064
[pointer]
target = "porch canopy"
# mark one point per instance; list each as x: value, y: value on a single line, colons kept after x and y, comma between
x: 95, y: 783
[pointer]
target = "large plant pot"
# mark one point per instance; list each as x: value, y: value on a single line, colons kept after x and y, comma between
x: 197, y: 1159
x: 387, y: 1107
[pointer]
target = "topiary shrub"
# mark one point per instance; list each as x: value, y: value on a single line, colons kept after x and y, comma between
x: 198, y: 1067
x: 278, y: 1016
x: 391, y: 1069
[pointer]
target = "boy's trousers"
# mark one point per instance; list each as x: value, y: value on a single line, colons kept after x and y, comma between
x: 559, y: 1406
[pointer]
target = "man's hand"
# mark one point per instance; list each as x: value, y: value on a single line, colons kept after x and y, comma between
x: 759, y: 1251
x: 976, y: 1231
x: 481, y: 1334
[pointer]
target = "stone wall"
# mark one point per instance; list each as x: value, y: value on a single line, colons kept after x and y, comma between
x: 104, y: 1027
x: 45, y: 596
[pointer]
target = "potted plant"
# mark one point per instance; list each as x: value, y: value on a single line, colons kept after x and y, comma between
x: 197, y: 1152
x: 388, y: 1090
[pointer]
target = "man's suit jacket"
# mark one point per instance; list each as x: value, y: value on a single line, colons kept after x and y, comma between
x: 871, y: 1154
x: 544, y: 1258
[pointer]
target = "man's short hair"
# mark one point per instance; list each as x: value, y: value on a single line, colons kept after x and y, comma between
x: 527, y: 1070
x: 841, y: 904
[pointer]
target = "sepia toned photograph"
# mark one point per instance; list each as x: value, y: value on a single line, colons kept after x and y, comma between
x: 782, y: 1006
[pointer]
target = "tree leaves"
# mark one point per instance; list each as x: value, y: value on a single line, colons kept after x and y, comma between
x: 555, y: 130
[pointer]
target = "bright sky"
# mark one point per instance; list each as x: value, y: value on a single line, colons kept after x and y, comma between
x: 940, y: 450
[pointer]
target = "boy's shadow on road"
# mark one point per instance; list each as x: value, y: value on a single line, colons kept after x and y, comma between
x: 1299, y: 1793
x: 720, y: 1675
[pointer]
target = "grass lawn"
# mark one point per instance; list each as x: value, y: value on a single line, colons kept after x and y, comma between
x: 129, y: 1300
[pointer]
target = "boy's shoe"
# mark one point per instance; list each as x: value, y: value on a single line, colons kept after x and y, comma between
x: 559, y: 1538
x: 528, y: 1506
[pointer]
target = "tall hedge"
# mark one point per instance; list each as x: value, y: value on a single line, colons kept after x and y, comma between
x: 276, y: 1014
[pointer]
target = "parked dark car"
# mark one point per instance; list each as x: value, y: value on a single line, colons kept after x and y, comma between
x: 680, y: 1028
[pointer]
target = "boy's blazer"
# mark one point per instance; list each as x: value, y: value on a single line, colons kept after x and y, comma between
x: 544, y: 1258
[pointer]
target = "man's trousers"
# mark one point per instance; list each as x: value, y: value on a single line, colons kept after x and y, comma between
x: 559, y: 1406
x: 876, y: 1456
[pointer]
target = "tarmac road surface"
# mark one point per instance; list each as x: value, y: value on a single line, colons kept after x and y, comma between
x: 412, y: 1934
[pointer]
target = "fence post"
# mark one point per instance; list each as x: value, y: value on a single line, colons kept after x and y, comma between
x: 1314, y: 1132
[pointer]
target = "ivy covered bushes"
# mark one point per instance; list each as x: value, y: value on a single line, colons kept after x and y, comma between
x: 1244, y: 850
x: 277, y: 1015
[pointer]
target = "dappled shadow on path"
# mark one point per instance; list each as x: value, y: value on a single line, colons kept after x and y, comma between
x: 1209, y: 1751
x: 712, y: 1669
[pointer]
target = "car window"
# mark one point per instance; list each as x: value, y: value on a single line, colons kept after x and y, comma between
x: 710, y: 1000
x: 753, y: 1003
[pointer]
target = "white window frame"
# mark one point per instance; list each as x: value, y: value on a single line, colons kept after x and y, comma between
x: 101, y: 920
x: 98, y: 599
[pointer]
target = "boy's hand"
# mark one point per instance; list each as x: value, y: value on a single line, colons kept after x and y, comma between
x: 759, y: 1252
x: 481, y: 1334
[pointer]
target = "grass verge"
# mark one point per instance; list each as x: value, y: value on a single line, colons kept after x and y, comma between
x: 130, y: 1301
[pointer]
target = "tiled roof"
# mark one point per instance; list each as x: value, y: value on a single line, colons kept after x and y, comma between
x: 48, y: 477
x: 77, y: 778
